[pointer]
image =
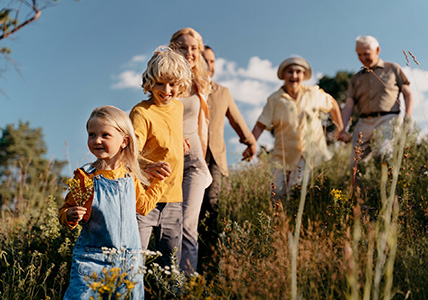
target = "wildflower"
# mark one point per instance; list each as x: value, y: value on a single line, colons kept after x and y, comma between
x: 75, y: 190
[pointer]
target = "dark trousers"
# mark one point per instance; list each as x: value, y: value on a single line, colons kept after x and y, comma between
x: 208, y: 223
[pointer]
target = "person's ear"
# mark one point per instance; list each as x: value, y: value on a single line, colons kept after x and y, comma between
x: 125, y: 142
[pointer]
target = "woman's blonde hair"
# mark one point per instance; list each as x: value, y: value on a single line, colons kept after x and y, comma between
x: 117, y: 118
x: 167, y: 64
x: 200, y: 70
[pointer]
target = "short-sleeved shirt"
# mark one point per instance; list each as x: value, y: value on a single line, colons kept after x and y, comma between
x: 297, y: 126
x: 377, y: 89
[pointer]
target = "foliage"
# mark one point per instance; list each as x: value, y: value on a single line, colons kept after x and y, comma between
x: 24, y: 173
x: 345, y: 241
x: 337, y: 87
x: 35, y: 254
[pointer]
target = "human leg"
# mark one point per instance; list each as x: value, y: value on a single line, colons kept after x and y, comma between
x: 194, y: 182
x: 208, y: 223
x: 146, y: 224
x: 361, y: 138
x: 168, y: 234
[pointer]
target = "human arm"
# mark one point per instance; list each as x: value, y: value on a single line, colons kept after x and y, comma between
x: 148, y: 196
x: 249, y: 153
x: 347, y: 111
x: 238, y: 124
x: 337, y: 118
x: 408, y: 99
x: 141, y: 125
x: 159, y: 170
x: 71, y: 213
x: 186, y: 145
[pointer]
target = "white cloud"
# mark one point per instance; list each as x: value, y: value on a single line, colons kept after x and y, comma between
x: 419, y: 86
x: 131, y: 77
x: 127, y: 79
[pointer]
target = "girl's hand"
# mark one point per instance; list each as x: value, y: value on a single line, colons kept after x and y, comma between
x: 75, y: 214
x: 160, y: 170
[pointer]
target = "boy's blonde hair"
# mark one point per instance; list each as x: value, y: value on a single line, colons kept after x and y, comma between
x: 167, y: 64
x: 117, y: 118
x: 200, y: 70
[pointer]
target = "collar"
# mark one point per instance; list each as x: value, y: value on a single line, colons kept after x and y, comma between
x: 380, y: 64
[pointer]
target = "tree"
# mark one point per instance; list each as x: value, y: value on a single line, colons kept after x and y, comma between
x: 337, y: 87
x: 26, y: 177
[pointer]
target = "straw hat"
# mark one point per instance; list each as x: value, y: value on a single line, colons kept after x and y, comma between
x: 295, y: 61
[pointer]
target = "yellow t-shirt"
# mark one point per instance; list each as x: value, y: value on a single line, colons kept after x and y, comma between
x: 297, y: 125
x: 159, y: 131
x: 145, y: 197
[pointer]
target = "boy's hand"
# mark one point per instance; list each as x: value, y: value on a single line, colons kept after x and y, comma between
x: 75, y: 214
x: 186, y: 145
x: 160, y: 170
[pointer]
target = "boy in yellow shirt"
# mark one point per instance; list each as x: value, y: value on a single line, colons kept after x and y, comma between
x: 158, y: 125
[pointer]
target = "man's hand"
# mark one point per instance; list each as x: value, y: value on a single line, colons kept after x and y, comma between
x: 75, y: 214
x: 160, y: 170
x: 342, y: 136
x: 249, y: 153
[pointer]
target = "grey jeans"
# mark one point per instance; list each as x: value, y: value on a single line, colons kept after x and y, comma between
x: 166, y: 221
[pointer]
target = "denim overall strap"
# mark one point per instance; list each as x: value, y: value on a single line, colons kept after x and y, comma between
x: 112, y: 224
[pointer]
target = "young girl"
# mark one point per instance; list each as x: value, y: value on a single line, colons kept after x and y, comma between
x: 112, y: 187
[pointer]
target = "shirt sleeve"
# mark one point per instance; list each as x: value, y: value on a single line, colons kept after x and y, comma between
x: 238, y: 123
x: 325, y: 101
x: 266, y: 116
x: 148, y: 196
x: 139, y: 122
x: 70, y: 202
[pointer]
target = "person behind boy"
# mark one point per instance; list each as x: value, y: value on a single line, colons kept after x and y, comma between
x: 293, y: 113
x: 158, y: 125
x: 221, y: 105
x: 104, y: 198
x: 375, y: 90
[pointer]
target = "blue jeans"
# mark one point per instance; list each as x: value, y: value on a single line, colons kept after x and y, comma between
x: 166, y: 222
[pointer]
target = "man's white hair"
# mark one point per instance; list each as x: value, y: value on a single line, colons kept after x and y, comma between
x: 367, y: 40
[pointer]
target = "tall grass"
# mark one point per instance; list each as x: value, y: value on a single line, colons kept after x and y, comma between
x: 371, y: 244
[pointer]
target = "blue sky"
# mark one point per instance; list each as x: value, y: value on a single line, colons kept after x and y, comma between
x: 80, y: 55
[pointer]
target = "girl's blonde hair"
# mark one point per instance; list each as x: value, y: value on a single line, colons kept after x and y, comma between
x: 200, y: 70
x: 167, y: 64
x: 117, y: 118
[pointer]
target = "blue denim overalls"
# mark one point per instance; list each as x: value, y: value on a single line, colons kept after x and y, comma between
x: 112, y: 224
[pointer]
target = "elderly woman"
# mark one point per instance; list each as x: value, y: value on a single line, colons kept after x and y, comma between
x: 293, y: 113
x: 196, y: 176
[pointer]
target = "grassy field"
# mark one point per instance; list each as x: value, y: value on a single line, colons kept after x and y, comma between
x: 340, y: 236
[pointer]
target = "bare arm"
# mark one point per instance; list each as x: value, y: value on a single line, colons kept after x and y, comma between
x: 249, y: 153
x: 346, y: 116
x: 408, y: 99
x: 337, y: 118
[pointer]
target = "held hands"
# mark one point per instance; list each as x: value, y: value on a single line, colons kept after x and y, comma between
x: 186, y: 145
x: 249, y: 153
x: 342, y: 136
x: 75, y: 214
x: 160, y: 170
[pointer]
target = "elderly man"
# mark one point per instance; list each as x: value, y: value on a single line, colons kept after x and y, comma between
x: 375, y: 90
x: 220, y: 104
